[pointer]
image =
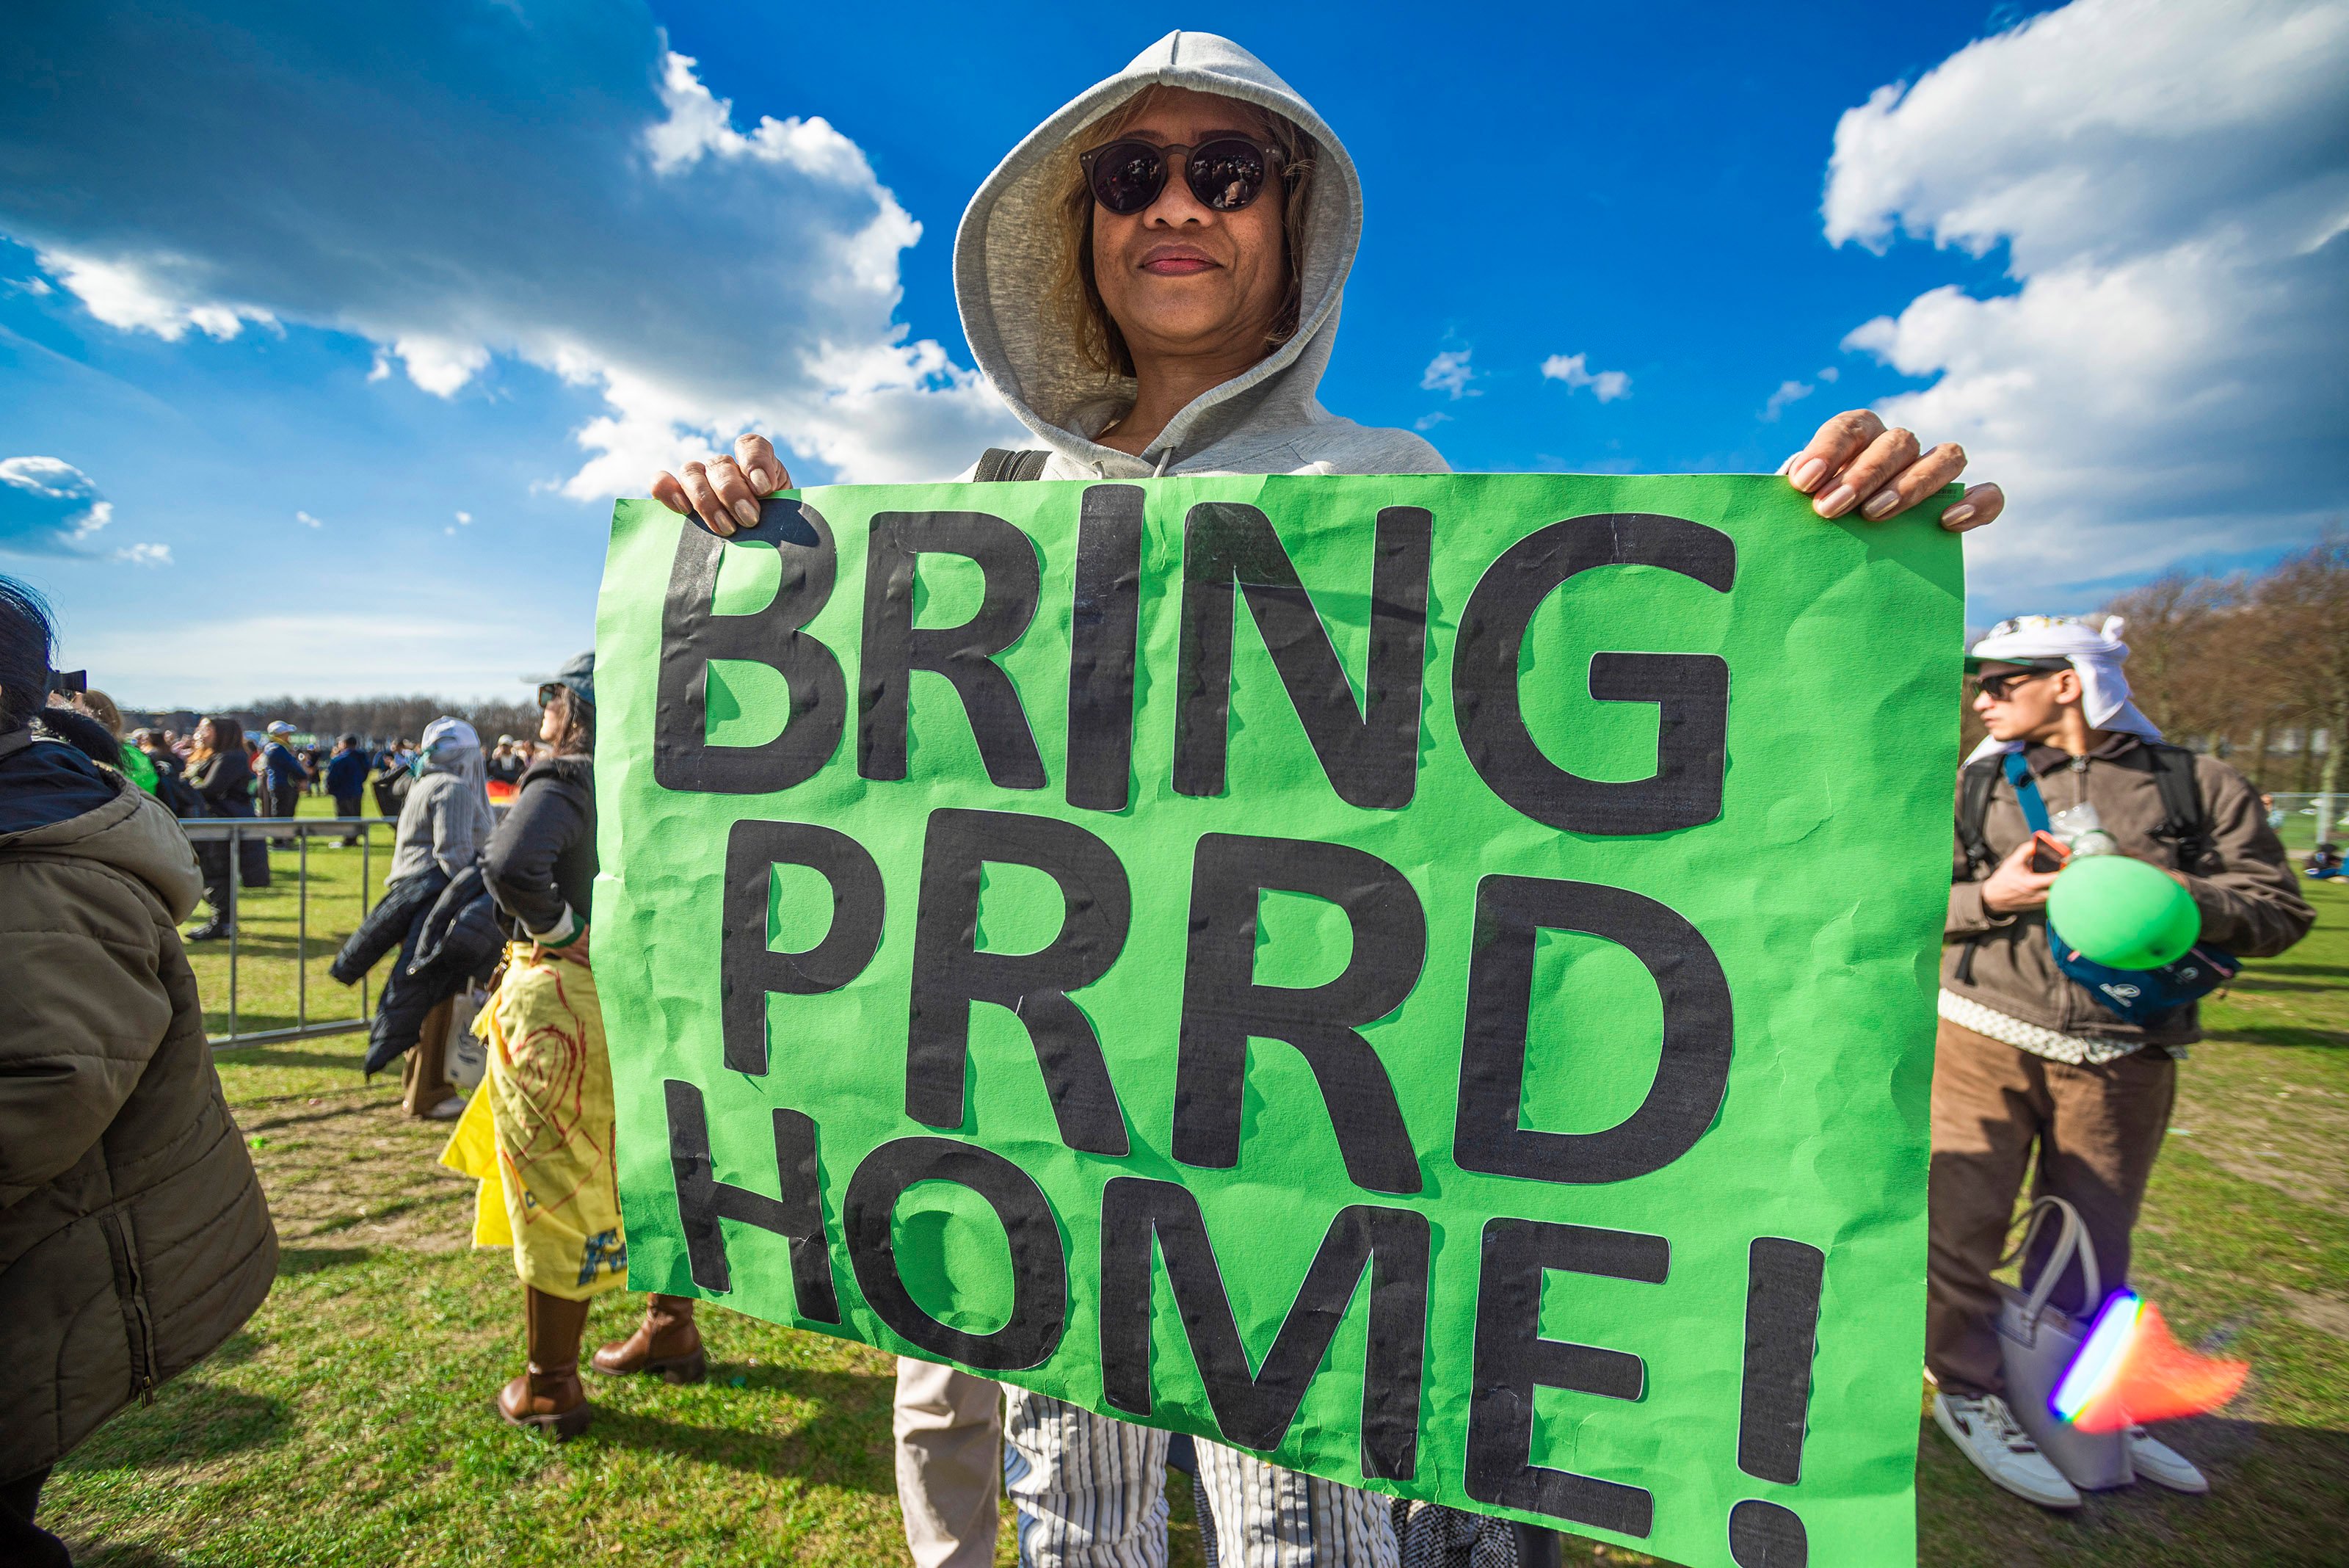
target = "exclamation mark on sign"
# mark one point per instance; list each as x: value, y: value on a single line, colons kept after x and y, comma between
x: 1782, y: 1323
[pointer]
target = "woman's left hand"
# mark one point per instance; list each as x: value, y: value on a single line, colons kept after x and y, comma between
x: 1856, y: 465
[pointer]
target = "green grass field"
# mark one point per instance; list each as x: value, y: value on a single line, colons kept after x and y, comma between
x: 350, y: 1424
x: 283, y: 951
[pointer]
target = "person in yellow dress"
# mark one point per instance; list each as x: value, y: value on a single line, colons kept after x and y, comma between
x: 538, y: 1133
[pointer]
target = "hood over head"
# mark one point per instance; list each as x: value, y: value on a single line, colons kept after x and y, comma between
x: 55, y: 801
x: 1006, y: 256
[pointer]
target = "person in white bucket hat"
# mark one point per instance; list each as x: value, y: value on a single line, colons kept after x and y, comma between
x: 2032, y: 1073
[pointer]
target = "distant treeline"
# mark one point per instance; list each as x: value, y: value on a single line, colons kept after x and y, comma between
x: 380, y: 719
x: 2253, y: 666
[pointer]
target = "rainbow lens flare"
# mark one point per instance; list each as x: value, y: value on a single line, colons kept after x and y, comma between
x: 2130, y: 1370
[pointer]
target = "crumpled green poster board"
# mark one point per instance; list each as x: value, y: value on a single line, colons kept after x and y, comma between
x: 1429, y: 979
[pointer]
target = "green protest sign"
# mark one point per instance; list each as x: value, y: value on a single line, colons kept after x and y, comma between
x: 1426, y: 979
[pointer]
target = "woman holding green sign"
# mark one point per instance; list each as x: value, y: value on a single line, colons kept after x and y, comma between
x: 1152, y: 281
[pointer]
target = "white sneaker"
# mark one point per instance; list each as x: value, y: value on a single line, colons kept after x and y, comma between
x: 1984, y: 1431
x: 2158, y: 1462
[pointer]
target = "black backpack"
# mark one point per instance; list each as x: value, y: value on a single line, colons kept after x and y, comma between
x: 2185, y: 825
x: 996, y: 463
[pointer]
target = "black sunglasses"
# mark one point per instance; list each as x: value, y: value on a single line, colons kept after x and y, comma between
x: 1997, y: 686
x: 1225, y: 174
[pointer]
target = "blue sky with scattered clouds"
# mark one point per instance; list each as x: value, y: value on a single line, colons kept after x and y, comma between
x: 327, y: 333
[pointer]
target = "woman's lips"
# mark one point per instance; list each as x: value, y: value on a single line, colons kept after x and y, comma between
x: 1177, y: 266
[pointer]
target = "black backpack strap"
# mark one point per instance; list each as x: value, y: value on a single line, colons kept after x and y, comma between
x: 998, y: 464
x: 2186, y: 824
x: 1974, y: 786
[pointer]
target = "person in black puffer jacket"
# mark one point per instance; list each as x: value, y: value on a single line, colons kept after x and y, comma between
x: 548, y: 1092
x: 220, y: 774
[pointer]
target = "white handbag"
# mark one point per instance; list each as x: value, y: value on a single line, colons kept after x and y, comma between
x: 467, y: 1058
x: 2037, y: 1341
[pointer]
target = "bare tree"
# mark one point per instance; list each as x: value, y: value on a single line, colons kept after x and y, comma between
x: 2305, y: 602
x: 2173, y: 626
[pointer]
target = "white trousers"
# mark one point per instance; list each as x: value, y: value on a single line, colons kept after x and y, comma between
x: 1090, y: 1492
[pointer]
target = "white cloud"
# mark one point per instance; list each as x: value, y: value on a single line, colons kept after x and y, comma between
x: 1448, y: 372
x: 2172, y: 188
x: 1574, y: 370
x: 457, y: 185
x: 308, y: 521
x: 1787, y: 393
x: 49, y: 507
x: 1428, y: 421
x: 465, y: 517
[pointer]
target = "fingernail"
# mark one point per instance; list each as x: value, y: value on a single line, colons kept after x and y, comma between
x: 1835, y: 503
x: 747, y: 510
x: 761, y: 481
x: 673, y: 506
x: 1881, y: 503
x: 1808, y: 472
x: 1957, y: 516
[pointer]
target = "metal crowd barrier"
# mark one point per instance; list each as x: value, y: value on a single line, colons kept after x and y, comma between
x: 235, y: 831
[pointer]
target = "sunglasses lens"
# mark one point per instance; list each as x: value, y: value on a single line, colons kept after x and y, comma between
x: 547, y: 694
x: 1226, y: 175
x: 1127, y: 176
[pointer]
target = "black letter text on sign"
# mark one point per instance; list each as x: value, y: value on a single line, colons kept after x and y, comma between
x: 950, y: 972
x: 748, y: 968
x: 1691, y: 689
x: 1104, y: 631
x: 1513, y: 1359
x: 964, y: 654
x: 1371, y: 752
x: 691, y: 636
x: 1223, y: 1005
x: 703, y: 1200
x: 1691, y: 1075
x: 1254, y: 1409
x: 1040, y: 1264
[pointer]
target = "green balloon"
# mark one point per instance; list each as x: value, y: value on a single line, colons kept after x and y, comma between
x: 2123, y: 912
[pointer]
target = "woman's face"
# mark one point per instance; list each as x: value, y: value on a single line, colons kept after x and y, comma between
x: 1180, y: 278
x: 555, y: 715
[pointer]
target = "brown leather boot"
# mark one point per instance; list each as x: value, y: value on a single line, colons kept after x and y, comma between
x: 666, y: 1344
x: 548, y: 1396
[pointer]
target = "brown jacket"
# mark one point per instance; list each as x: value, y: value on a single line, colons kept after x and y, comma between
x: 2244, y: 887
x: 133, y: 1234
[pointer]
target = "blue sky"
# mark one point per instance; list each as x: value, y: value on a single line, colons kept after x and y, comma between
x: 323, y: 348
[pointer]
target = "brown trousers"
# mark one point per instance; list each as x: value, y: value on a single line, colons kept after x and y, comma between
x: 2097, y: 1130
x: 424, y: 1080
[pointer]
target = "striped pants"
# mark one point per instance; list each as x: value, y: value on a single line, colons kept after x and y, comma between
x: 1090, y: 1492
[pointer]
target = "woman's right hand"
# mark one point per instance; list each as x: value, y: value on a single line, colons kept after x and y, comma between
x: 724, y: 492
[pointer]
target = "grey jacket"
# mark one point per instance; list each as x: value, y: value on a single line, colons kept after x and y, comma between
x: 440, y: 823
x: 1265, y: 420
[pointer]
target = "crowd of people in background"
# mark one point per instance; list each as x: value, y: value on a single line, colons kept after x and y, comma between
x: 217, y: 770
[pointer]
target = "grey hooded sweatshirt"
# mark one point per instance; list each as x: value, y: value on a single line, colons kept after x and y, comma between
x: 1265, y: 420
